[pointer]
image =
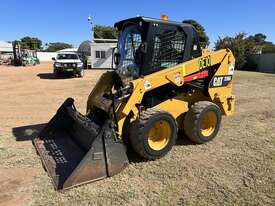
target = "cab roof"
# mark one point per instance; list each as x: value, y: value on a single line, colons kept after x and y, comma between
x: 119, y: 25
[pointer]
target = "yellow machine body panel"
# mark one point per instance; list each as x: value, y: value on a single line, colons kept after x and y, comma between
x: 219, y: 94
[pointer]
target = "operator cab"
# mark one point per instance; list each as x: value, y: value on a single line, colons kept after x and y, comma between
x: 147, y: 45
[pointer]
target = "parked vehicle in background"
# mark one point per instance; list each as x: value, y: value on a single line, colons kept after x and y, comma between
x: 29, y: 57
x: 23, y: 57
x: 68, y: 62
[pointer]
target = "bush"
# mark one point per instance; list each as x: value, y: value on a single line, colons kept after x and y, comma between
x: 32, y: 43
x: 268, y: 49
x: 204, y: 39
x: 56, y: 46
x: 241, y: 46
x: 105, y: 32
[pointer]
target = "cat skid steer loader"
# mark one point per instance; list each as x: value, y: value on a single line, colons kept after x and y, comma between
x: 163, y: 82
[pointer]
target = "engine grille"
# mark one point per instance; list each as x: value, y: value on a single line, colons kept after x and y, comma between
x: 69, y: 65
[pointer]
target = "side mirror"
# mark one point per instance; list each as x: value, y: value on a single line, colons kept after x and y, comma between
x: 53, y: 59
x: 116, y: 58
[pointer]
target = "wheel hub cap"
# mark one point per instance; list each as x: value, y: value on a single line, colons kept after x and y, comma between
x: 209, y: 123
x: 159, y: 135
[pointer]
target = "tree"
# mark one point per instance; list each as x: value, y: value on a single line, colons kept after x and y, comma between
x: 204, y: 39
x: 260, y: 39
x: 32, y: 43
x: 241, y: 46
x: 268, y: 48
x: 105, y: 32
x: 56, y: 46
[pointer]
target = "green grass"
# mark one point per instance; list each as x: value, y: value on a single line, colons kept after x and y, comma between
x: 237, y: 168
x: 247, y: 74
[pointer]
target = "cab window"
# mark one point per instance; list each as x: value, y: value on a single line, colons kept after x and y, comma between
x: 169, y: 46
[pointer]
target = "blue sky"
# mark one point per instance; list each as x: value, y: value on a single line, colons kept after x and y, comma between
x: 66, y: 20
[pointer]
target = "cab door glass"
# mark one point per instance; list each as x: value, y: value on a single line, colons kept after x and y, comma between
x: 169, y: 46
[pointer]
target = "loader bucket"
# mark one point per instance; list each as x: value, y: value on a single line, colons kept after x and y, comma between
x: 75, y: 150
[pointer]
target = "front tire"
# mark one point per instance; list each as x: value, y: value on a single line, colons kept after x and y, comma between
x: 153, y: 134
x: 81, y: 73
x: 202, y: 122
x: 56, y: 74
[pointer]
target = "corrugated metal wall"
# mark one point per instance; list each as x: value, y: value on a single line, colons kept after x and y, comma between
x: 264, y: 62
x: 46, y: 56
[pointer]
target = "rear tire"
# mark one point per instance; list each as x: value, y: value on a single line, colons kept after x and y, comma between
x: 153, y: 134
x: 202, y: 122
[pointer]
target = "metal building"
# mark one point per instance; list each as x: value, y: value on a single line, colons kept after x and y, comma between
x: 5, y: 47
x: 98, y: 53
x: 6, y: 51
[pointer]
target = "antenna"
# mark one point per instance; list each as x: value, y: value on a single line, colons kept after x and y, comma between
x: 90, y: 20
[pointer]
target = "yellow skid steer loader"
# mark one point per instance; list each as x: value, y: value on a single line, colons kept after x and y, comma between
x: 163, y: 82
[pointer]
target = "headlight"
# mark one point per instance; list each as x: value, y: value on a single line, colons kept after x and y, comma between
x: 57, y: 64
x: 80, y: 64
x: 231, y: 68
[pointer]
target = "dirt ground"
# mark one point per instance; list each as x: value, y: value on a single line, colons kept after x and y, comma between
x: 237, y: 168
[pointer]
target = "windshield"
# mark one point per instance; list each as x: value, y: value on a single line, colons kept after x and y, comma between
x: 129, y: 49
x: 67, y: 56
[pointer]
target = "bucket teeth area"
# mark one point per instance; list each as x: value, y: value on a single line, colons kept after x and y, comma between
x: 75, y: 150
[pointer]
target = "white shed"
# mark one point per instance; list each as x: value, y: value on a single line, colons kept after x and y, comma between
x: 5, y: 47
x: 98, y: 53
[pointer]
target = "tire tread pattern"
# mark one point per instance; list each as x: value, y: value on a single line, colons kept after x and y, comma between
x: 136, y: 136
x: 191, y: 122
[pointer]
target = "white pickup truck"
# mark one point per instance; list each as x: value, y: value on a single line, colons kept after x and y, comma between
x: 68, y: 62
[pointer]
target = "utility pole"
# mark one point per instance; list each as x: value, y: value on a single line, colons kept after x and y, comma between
x: 92, y: 27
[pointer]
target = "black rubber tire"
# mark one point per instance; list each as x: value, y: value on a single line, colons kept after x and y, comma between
x: 141, y: 127
x: 56, y: 74
x: 193, y: 121
x: 81, y: 73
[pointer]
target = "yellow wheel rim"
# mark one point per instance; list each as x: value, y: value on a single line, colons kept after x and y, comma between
x: 209, y: 123
x: 159, y: 135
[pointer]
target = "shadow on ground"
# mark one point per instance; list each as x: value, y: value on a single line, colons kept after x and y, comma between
x: 52, y: 76
x: 133, y: 157
x: 183, y: 140
x: 27, y: 133
x: 99, y: 69
x: 30, y: 132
